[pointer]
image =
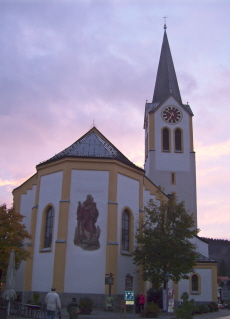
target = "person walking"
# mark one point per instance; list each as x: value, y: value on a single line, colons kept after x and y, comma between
x: 73, y: 309
x: 53, y: 303
x: 142, y: 302
x: 137, y: 303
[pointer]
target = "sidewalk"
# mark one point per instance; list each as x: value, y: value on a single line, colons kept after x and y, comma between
x: 101, y: 314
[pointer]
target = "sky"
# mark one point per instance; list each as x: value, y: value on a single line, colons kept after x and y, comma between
x: 68, y: 65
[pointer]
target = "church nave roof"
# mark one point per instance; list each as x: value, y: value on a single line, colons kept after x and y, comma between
x: 92, y: 145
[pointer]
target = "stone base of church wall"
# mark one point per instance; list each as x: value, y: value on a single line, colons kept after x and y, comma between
x: 99, y: 300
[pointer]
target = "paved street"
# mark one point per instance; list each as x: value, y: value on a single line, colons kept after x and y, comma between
x: 100, y: 314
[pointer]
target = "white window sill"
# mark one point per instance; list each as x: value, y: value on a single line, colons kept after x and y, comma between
x: 126, y: 252
x: 45, y: 250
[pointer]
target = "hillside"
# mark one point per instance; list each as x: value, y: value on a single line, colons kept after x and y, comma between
x: 219, y: 250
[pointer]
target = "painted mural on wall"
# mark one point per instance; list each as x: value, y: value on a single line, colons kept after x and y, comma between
x: 87, y: 233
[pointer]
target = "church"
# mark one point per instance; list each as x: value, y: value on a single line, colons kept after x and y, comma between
x: 82, y: 205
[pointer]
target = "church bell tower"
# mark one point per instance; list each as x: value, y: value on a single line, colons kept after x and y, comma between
x: 169, y: 151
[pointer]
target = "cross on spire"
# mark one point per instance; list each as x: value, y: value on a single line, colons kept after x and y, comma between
x: 165, y: 27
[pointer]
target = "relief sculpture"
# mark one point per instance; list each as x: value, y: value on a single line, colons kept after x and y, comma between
x: 86, y: 232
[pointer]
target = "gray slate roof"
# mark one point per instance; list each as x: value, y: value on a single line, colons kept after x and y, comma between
x: 201, y: 258
x: 166, y: 80
x: 92, y: 145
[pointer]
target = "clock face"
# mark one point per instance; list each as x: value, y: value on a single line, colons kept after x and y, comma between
x: 171, y: 115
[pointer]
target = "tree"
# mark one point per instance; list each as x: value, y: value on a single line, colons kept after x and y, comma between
x: 163, y: 243
x: 222, y: 268
x: 12, y: 236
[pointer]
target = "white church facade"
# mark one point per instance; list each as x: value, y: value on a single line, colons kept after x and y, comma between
x: 83, y: 204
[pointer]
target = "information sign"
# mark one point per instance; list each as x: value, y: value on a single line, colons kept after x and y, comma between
x: 129, y: 295
x: 109, y: 280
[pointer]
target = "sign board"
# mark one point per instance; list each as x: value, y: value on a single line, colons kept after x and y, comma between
x: 170, y: 300
x: 129, y: 296
x: 128, y: 282
x: 225, y: 294
x: 123, y: 308
x: 109, y: 280
x: 109, y: 302
x: 123, y: 304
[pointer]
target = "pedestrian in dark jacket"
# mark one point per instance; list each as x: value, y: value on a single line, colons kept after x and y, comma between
x: 73, y: 309
x: 137, y: 303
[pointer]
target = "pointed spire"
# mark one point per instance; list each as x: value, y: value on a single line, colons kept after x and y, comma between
x: 166, y: 80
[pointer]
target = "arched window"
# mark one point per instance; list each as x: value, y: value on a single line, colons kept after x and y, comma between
x: 178, y: 140
x: 125, y: 230
x: 195, y: 284
x: 49, y: 227
x: 165, y: 139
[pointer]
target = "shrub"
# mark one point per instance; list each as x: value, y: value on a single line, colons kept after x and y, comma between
x: 86, y: 305
x: 151, y: 310
x: 36, y: 297
x: 155, y: 295
x: 215, y: 306
x: 187, y: 308
x: 211, y: 307
x: 200, y: 308
x: 205, y: 309
x: 196, y: 310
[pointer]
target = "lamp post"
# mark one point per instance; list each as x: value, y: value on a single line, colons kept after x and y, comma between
x: 165, y: 292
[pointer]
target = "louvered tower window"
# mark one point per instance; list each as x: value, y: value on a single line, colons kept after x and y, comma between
x: 178, y: 140
x: 165, y: 139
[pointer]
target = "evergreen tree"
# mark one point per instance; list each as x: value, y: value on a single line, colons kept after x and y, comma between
x: 222, y: 268
x: 163, y: 243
